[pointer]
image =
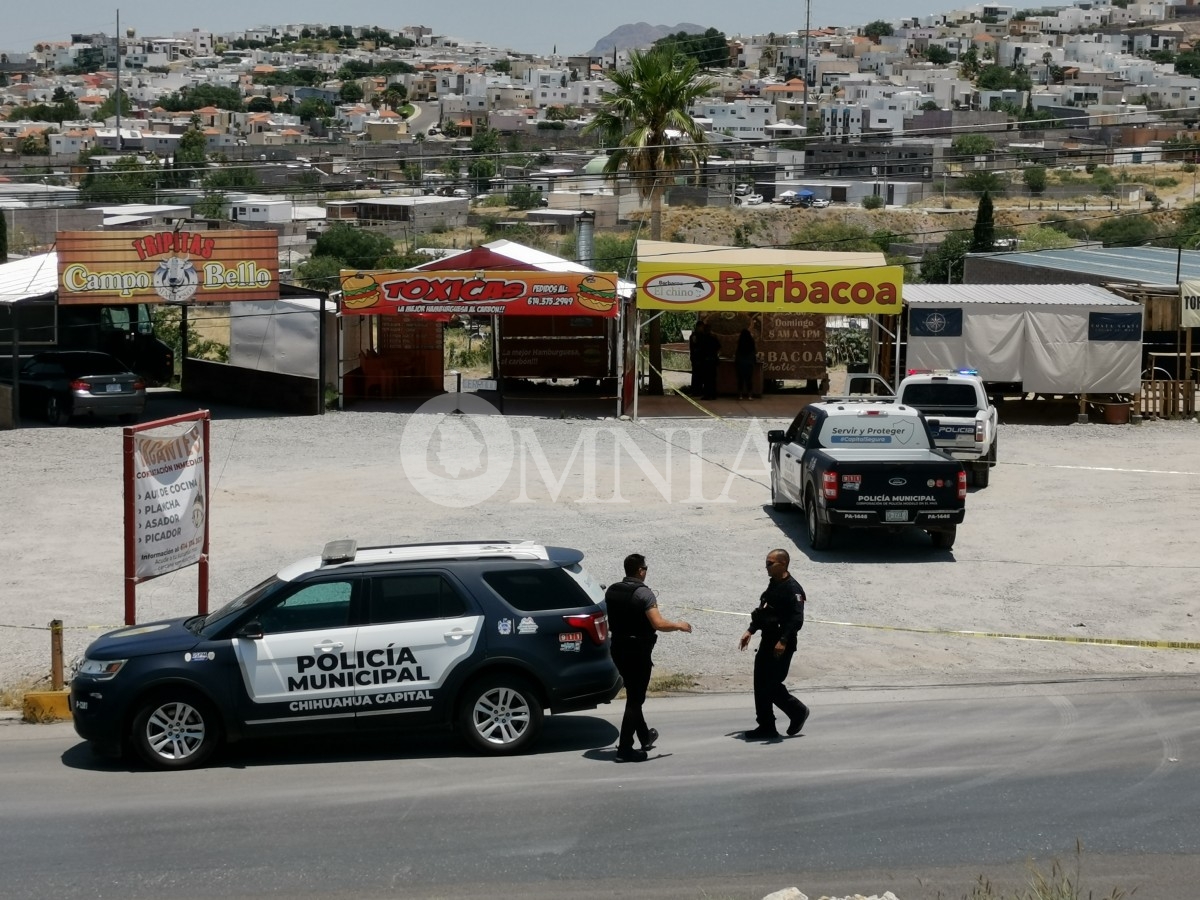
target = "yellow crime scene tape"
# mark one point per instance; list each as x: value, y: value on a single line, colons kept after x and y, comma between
x: 1049, y: 638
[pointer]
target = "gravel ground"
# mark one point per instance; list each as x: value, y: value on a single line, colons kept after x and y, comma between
x: 1085, y: 531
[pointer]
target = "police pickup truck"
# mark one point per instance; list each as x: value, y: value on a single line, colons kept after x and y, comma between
x: 860, y: 463
x: 956, y: 401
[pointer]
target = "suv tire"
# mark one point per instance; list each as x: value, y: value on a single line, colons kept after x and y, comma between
x: 500, y: 714
x: 820, y: 534
x: 175, y: 730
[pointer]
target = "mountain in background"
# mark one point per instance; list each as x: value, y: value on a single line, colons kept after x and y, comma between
x: 639, y: 36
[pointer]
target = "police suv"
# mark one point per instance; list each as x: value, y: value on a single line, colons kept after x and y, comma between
x: 481, y: 636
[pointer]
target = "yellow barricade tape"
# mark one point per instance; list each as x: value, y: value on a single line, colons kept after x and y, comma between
x: 1050, y: 638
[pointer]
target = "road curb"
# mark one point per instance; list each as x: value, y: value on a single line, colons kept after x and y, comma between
x: 46, y: 706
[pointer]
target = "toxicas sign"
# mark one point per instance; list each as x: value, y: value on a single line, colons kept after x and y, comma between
x: 167, y: 266
x: 759, y: 288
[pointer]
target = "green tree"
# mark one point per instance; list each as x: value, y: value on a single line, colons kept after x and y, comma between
x: 108, y: 108
x: 211, y: 206
x: 877, y: 30
x: 972, y: 145
x: 314, y: 108
x: 839, y: 237
x: 358, y: 248
x: 394, y: 95
x: 710, y: 50
x: 481, y: 171
x: 944, y: 265
x: 1035, y: 179
x: 201, y: 95
x: 1043, y: 237
x: 1187, y: 227
x: 873, y: 201
x: 485, y: 140
x: 652, y: 97
x: 320, y: 273
x: 260, y: 104
x: 938, y: 55
x: 968, y: 64
x: 1126, y: 231
x: 983, y: 235
x: 1104, y: 180
x: 524, y: 196
x: 34, y: 145
x: 980, y: 182
x: 128, y: 180
x: 350, y: 92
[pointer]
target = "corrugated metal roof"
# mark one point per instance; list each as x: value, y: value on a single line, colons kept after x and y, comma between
x: 24, y: 279
x: 1012, y: 294
x: 1139, y: 265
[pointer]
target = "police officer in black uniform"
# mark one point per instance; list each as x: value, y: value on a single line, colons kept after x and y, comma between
x: 634, y: 622
x: 779, y: 617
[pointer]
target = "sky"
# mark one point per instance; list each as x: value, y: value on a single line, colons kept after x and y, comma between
x: 571, y: 26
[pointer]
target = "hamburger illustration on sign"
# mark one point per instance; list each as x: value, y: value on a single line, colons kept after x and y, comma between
x: 598, y: 292
x: 360, y: 291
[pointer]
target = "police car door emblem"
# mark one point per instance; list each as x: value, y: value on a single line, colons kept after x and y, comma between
x: 527, y: 626
x: 504, y: 626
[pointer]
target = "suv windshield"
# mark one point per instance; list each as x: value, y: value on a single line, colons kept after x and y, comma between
x: 210, y: 624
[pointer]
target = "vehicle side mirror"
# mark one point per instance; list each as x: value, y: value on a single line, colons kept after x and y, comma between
x: 251, y: 630
x: 776, y: 437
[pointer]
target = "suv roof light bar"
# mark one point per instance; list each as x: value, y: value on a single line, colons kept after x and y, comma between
x: 339, y: 552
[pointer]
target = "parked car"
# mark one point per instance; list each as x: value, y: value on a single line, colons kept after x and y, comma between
x: 819, y: 203
x: 62, y: 384
x: 751, y: 199
x: 483, y: 636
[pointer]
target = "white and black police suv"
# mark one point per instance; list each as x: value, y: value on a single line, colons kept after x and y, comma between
x: 480, y: 635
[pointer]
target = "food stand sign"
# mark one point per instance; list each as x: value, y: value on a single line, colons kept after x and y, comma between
x: 812, y: 289
x: 480, y: 293
x: 1189, y: 304
x: 167, y: 266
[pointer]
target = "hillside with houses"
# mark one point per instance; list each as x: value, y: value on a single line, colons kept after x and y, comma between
x: 295, y: 125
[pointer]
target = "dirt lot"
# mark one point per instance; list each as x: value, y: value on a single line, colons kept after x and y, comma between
x: 1086, y: 531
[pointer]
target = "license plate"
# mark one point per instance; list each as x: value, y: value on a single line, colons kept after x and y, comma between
x: 895, y: 515
x: 112, y: 388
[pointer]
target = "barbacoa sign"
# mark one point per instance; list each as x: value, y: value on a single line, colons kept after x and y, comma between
x: 772, y: 289
x: 167, y: 266
x: 482, y: 293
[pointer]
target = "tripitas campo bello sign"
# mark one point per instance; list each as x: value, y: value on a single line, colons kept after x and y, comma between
x: 167, y: 266
x: 810, y: 289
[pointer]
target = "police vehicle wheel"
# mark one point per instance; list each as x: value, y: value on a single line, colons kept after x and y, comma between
x: 982, y: 473
x: 500, y: 714
x: 777, y: 503
x: 57, y: 412
x: 944, y: 540
x: 820, y: 534
x: 175, y: 731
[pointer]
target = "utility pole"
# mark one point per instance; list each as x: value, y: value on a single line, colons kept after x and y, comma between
x: 118, y: 93
x: 807, y: 40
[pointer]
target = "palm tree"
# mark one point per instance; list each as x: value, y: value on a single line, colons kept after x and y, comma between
x: 653, y: 98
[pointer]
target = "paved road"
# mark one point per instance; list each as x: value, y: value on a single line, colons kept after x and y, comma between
x: 913, y: 790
